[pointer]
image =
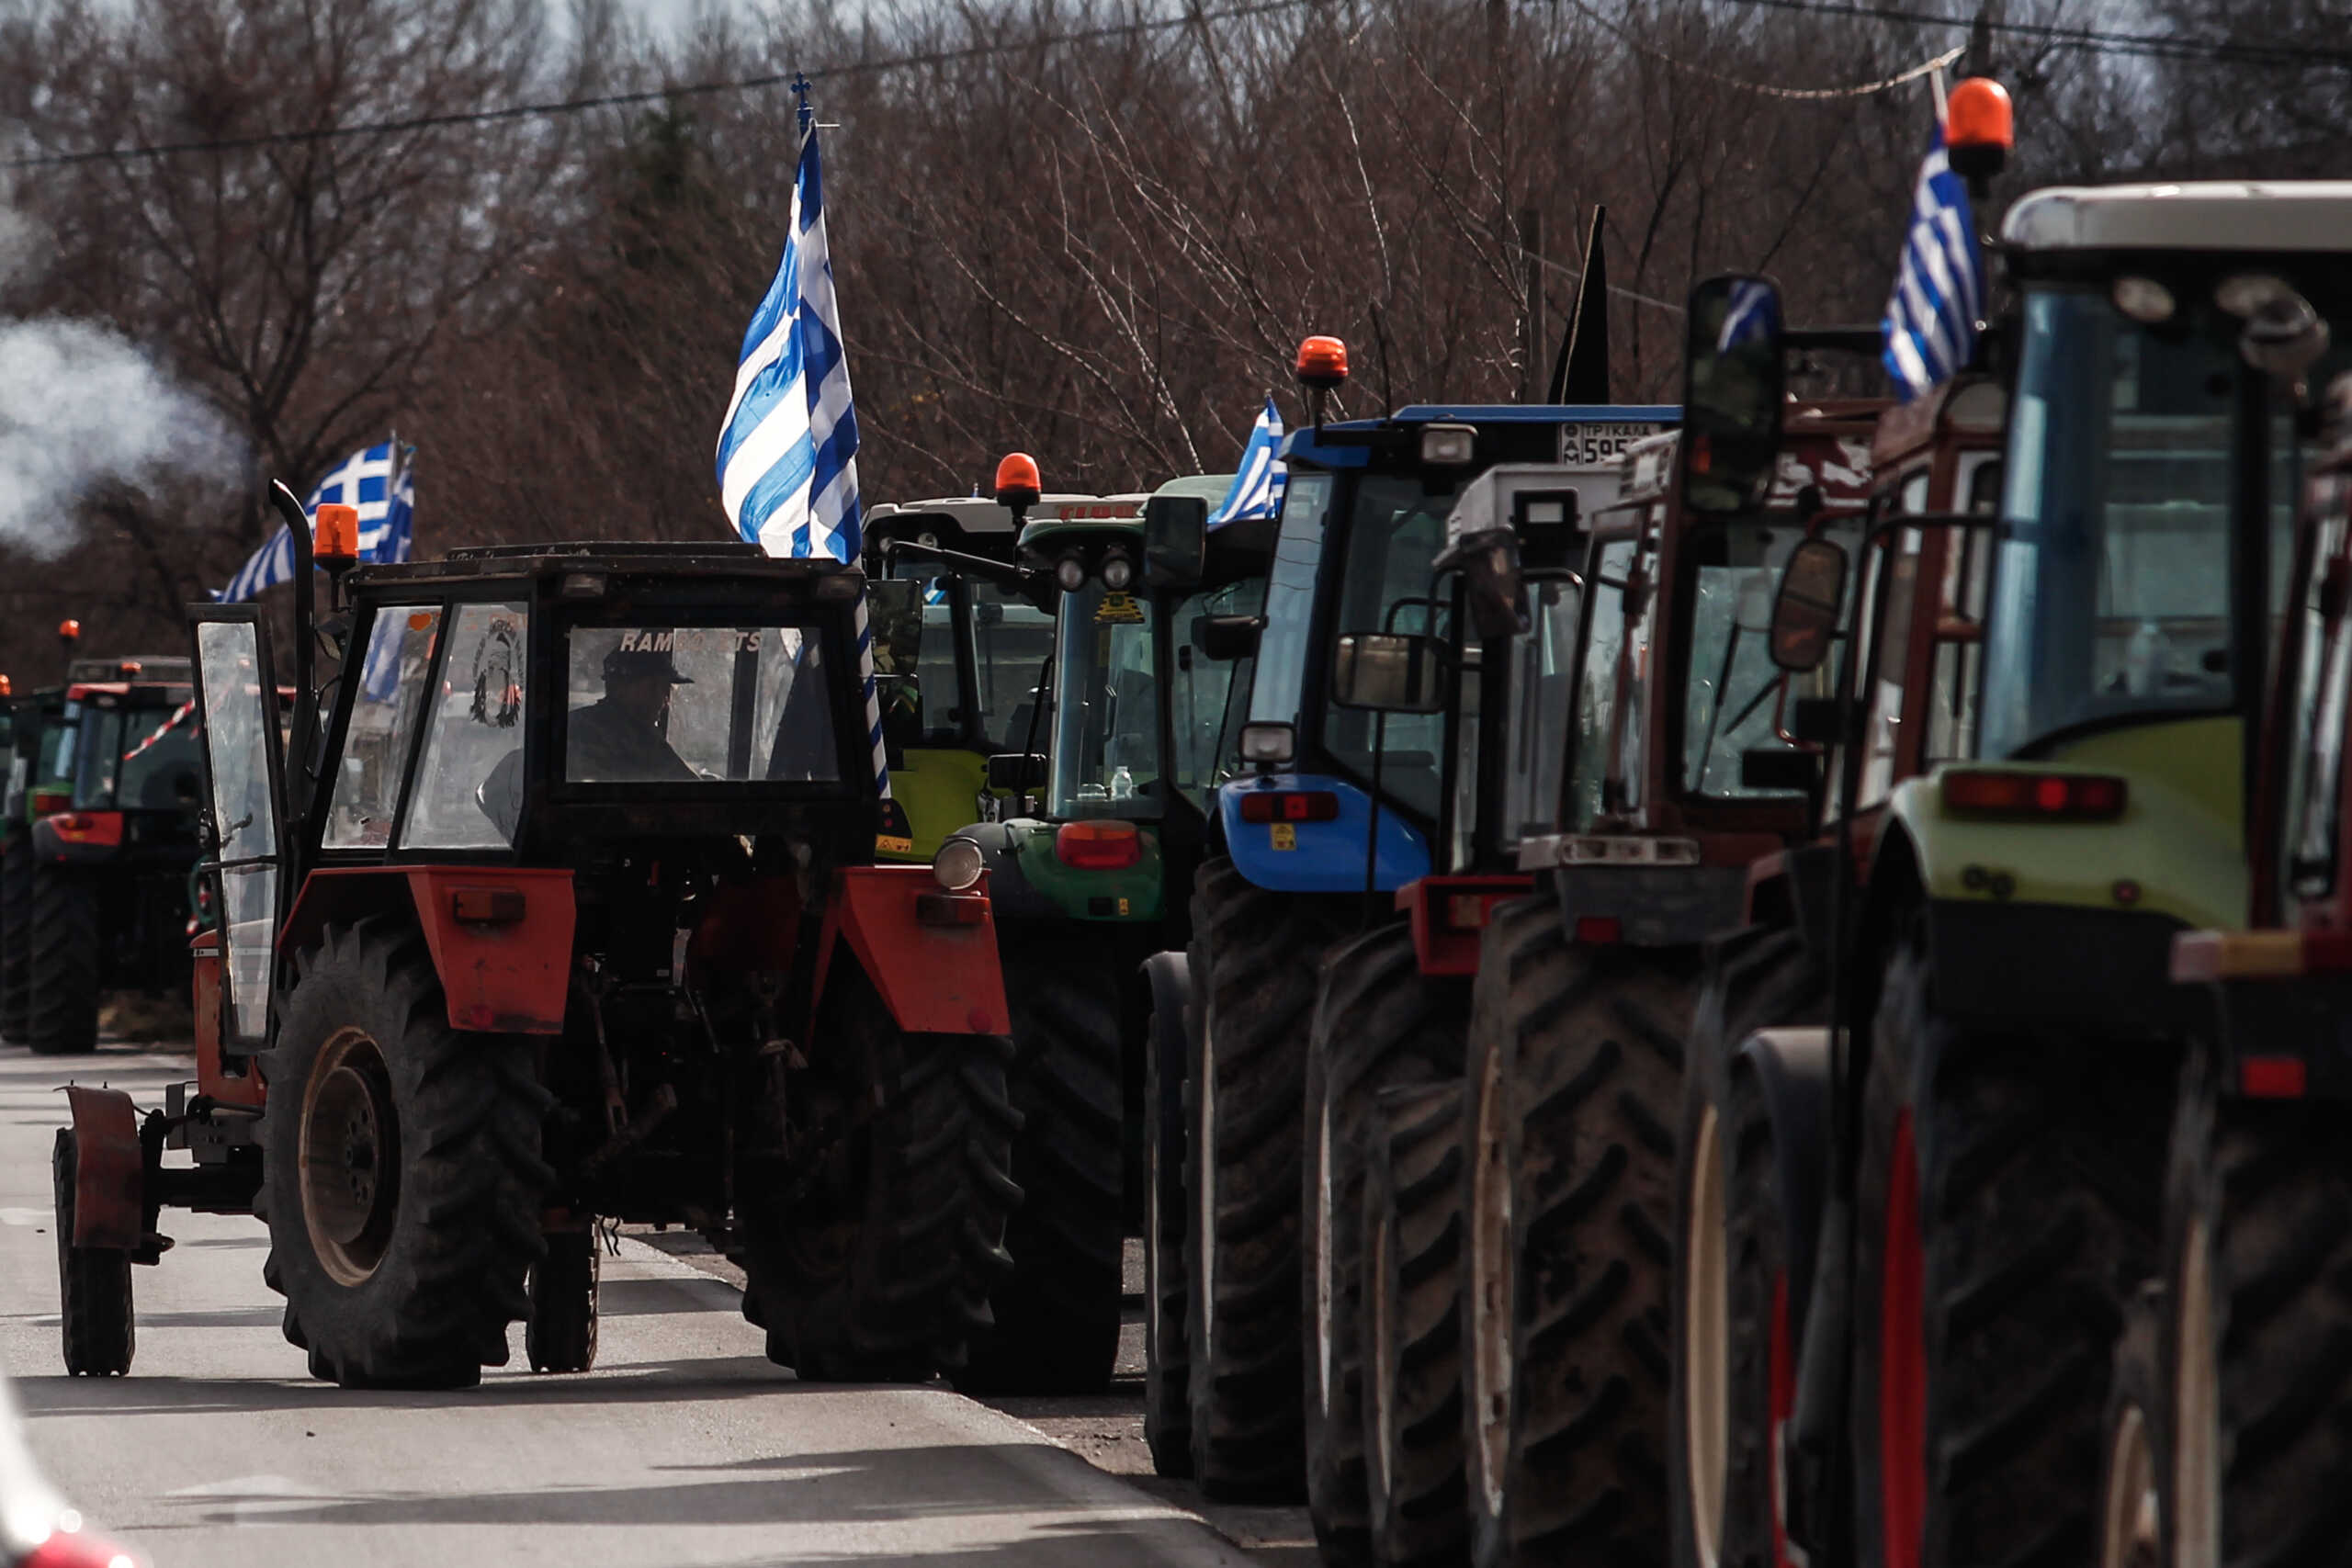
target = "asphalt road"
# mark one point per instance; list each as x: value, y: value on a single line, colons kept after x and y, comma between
x: 684, y: 1446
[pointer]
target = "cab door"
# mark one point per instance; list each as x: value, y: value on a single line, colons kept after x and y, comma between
x: 236, y: 692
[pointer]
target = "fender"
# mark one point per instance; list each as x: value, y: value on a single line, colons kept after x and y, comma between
x: 500, y: 936
x: 78, y: 838
x: 1791, y: 1068
x: 109, y: 1169
x: 1011, y: 895
x: 212, y: 1075
x: 1321, y: 857
x: 1168, y: 982
x: 1654, y: 905
x: 936, y: 978
x: 1448, y: 912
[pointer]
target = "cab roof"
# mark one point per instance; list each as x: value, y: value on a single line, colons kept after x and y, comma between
x: 634, y: 557
x: 972, y: 514
x: 2222, y: 215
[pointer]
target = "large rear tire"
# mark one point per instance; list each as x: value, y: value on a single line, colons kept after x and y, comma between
x: 1166, y: 1365
x: 93, y: 1286
x: 403, y: 1180
x: 1255, y: 957
x: 879, y: 1267
x: 1379, y: 1024
x: 1056, y: 1329
x: 1734, y: 1313
x: 1412, y: 1329
x: 62, y: 977
x: 16, y: 938
x: 1574, y: 1090
x: 2255, y: 1345
x: 2006, y: 1215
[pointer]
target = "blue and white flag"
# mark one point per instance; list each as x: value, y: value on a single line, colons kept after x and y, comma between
x: 1258, y: 486
x: 1754, y: 313
x: 1931, y: 327
x: 787, y: 449
x: 382, y: 672
x: 363, y: 481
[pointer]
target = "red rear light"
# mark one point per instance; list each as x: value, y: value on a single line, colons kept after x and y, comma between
x: 951, y: 909
x: 1289, y: 805
x: 2070, y: 797
x: 72, y: 1549
x: 1467, y: 911
x: 88, y: 827
x: 47, y: 802
x: 1598, y: 930
x: 1105, y: 845
x: 2271, y: 1078
x: 488, y: 906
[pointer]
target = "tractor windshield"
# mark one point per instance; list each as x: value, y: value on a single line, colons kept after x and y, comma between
x: 1206, y: 694
x: 697, y: 704
x: 137, y: 758
x: 1395, y: 528
x: 1732, y: 687
x: 1542, y: 673
x: 931, y: 629
x: 1281, y: 673
x: 1106, y: 715
x: 2114, y: 583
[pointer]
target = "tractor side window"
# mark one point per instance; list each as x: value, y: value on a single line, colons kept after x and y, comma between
x: 160, y: 759
x: 470, y: 781
x: 1951, y: 718
x: 1735, y: 690
x: 1106, y: 726
x: 1011, y: 637
x: 1206, y: 696
x: 914, y: 657
x: 383, y: 722
x: 689, y: 704
x: 2315, y: 742
x: 101, y: 741
x: 1596, y: 694
x: 1542, y: 700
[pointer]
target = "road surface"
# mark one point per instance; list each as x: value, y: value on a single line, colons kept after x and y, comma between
x: 684, y: 1445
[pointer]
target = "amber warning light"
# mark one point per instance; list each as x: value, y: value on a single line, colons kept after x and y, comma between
x: 1017, y: 483
x: 69, y: 631
x: 1322, y: 364
x: 1979, y: 130
x: 334, y: 535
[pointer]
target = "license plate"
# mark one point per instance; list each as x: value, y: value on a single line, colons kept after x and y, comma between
x: 1600, y: 442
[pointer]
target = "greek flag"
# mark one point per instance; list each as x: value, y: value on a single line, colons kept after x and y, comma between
x: 1754, y: 313
x: 787, y: 449
x: 382, y: 673
x: 363, y: 480
x: 1930, y: 325
x: 1257, y: 488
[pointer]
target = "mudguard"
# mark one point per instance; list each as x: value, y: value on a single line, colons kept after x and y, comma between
x: 1654, y: 905
x: 109, y: 1169
x: 1168, y: 980
x: 1321, y: 857
x: 501, y: 936
x: 934, y: 978
x: 1791, y: 1068
x: 1011, y: 895
x: 1448, y: 912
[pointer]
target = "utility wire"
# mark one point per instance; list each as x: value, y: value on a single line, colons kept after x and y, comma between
x: 2095, y: 40
x: 1861, y: 90
x: 886, y: 64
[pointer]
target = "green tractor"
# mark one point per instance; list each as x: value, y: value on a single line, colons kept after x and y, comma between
x: 958, y: 656
x: 1110, y: 800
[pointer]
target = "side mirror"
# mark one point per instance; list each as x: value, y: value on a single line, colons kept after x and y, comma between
x: 1175, y: 539
x: 1015, y: 771
x: 1228, y: 637
x: 1732, y: 386
x: 1805, y: 613
x: 1389, y: 671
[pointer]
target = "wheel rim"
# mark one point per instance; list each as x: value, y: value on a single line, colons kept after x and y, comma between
x: 2196, y: 1408
x: 1326, y: 1348
x: 350, y: 1157
x: 2128, y: 1523
x: 1380, y: 1366
x: 1205, y: 1221
x: 1902, y: 1361
x: 1706, y: 1345
x: 1493, y: 1282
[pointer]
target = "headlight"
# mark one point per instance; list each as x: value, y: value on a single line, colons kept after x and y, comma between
x: 1268, y: 745
x: 1118, y: 572
x: 957, y: 865
x: 1448, y: 445
x: 1069, y: 574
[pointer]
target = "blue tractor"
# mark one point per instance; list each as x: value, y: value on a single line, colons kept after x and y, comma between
x: 1339, y: 810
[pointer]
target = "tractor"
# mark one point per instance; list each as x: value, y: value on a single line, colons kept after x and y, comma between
x: 959, y: 655
x: 1109, y: 804
x: 2226, y: 1424
x: 1340, y: 809
x: 1934, y: 1184
x: 606, y: 945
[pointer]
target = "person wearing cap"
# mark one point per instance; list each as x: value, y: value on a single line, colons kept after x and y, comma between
x: 619, y: 739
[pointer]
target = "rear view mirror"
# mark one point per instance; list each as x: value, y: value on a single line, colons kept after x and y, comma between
x: 1015, y: 771
x: 1805, y: 613
x: 1390, y: 671
x: 1227, y: 638
x: 1733, y: 385
x: 1175, y: 539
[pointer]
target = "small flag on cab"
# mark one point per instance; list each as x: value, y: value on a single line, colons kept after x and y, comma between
x: 1930, y: 325
x: 1258, y: 484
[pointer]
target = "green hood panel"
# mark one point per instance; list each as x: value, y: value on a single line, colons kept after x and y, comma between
x: 1133, y: 893
x: 2180, y: 835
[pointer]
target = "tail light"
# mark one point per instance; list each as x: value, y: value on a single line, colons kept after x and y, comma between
x: 1098, y: 846
x: 49, y: 802
x: 73, y: 1548
x: 1289, y: 805
x: 1598, y: 930
x: 2271, y: 1078
x: 88, y: 826
x: 2047, y: 797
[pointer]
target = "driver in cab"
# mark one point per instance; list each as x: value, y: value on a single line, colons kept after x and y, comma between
x: 619, y: 739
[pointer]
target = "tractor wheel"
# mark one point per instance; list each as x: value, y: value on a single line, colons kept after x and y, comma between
x: 874, y: 1261
x: 1379, y: 1023
x: 1734, y: 1317
x: 1254, y: 960
x: 93, y: 1286
x: 403, y: 1180
x: 2007, y: 1214
x: 1058, y: 1312
x: 63, y: 974
x: 1167, y: 1394
x: 16, y: 938
x: 1412, y: 1329
x: 2131, y: 1523
x: 1574, y: 1088
x: 2255, y: 1348
x: 560, y: 1334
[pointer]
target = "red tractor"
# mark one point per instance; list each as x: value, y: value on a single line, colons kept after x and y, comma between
x: 558, y: 907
